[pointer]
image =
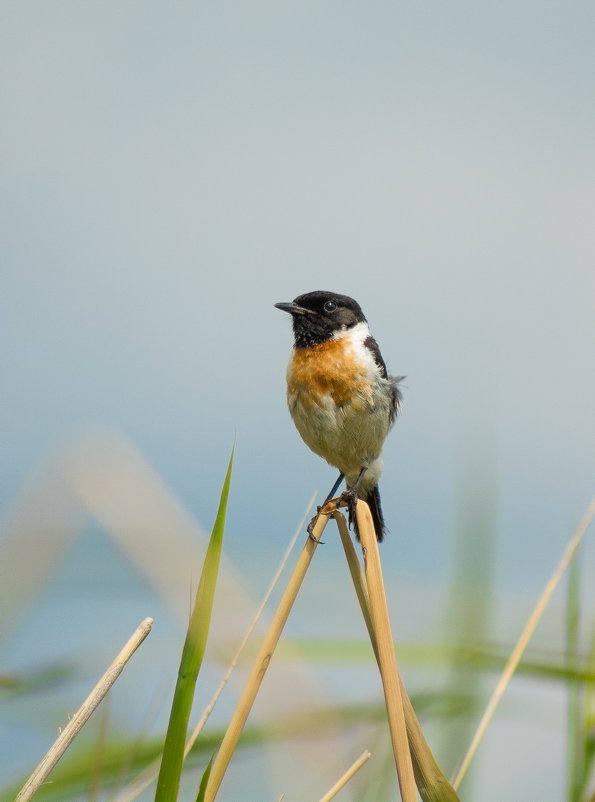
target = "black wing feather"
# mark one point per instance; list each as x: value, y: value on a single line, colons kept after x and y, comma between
x: 397, y: 397
x: 372, y: 346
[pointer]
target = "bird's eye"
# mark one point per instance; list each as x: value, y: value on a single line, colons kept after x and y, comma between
x: 330, y: 306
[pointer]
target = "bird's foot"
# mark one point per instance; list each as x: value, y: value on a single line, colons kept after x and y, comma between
x: 311, y: 525
x: 349, y: 499
x: 328, y: 508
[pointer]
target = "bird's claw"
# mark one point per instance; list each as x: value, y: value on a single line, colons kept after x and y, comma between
x: 310, y: 528
x: 349, y: 499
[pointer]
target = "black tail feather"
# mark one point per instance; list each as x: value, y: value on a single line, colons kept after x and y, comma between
x: 373, y: 501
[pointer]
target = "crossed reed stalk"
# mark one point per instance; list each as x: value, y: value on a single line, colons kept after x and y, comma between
x: 413, y: 758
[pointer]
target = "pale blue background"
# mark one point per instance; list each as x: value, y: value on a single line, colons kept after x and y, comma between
x: 169, y: 171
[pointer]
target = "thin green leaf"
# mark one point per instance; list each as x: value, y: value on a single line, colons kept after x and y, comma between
x: 34, y: 680
x: 479, y: 657
x: 588, y: 727
x: 204, y: 780
x: 575, y: 753
x: 192, y: 656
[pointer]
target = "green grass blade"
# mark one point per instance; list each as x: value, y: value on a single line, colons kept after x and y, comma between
x: 588, y: 726
x: 35, y: 680
x: 575, y: 755
x: 481, y: 657
x: 204, y: 780
x: 471, y: 593
x: 192, y: 655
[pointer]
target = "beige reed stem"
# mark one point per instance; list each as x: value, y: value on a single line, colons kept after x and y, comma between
x: 80, y: 718
x: 236, y: 725
x: 387, y: 660
x: 431, y: 782
x: 342, y: 781
x: 517, y: 653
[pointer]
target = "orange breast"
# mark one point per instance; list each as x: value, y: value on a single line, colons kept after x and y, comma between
x: 324, y: 370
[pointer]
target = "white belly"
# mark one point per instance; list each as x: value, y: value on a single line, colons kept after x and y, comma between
x: 346, y: 437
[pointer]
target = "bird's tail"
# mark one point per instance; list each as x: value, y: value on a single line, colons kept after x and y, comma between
x: 373, y: 501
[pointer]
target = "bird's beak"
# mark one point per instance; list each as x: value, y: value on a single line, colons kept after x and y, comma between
x: 293, y: 309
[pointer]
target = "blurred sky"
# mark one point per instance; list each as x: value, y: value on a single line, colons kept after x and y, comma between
x: 170, y: 171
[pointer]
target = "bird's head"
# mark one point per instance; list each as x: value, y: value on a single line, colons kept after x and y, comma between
x: 320, y: 315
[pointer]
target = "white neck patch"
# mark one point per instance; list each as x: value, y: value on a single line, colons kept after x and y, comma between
x: 355, y: 337
x: 357, y: 333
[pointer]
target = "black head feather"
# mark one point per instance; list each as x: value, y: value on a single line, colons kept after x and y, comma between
x: 318, y: 315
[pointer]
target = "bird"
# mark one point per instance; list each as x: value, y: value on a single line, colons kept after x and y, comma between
x: 340, y: 396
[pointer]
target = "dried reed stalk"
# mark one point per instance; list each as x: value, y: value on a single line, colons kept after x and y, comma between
x: 82, y: 715
x: 342, y: 781
x: 431, y: 782
x: 516, y: 654
x: 387, y: 661
x: 265, y: 653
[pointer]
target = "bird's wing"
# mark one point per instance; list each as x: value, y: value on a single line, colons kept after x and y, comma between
x: 372, y: 346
